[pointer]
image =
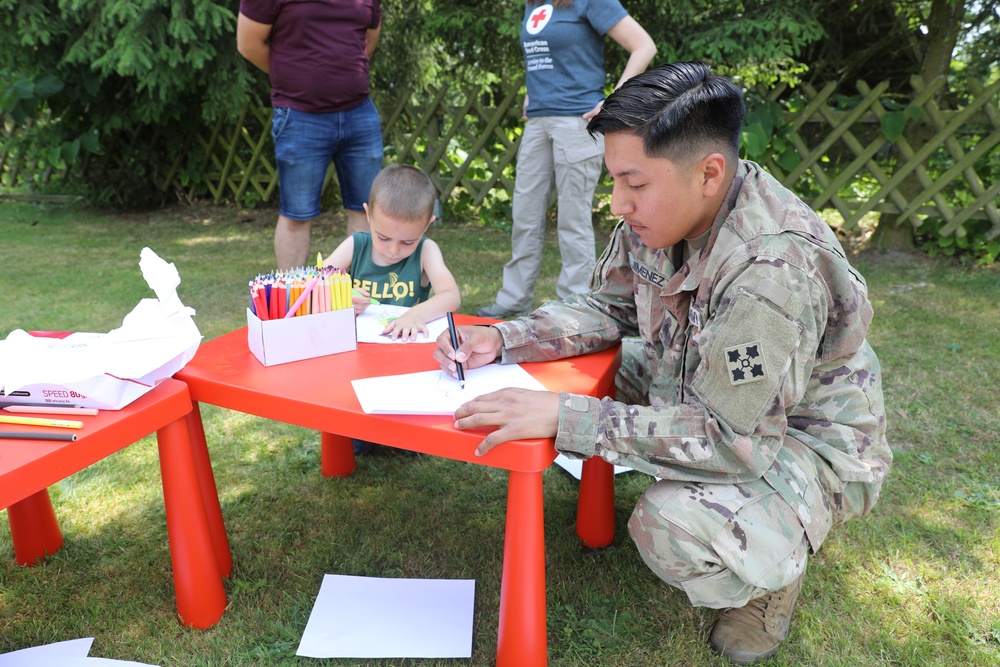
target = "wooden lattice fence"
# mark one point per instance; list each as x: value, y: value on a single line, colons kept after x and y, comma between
x: 940, y: 154
x: 944, y: 164
x: 462, y: 139
x: 468, y: 141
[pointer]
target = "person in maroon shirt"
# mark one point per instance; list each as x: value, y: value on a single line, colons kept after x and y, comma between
x: 316, y: 55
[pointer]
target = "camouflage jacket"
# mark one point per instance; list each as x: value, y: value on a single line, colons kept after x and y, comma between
x: 755, y: 352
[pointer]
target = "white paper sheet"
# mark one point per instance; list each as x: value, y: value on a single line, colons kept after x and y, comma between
x: 92, y: 662
x: 47, y: 654
x: 372, y: 322
x: 436, y: 392
x: 72, y: 653
x: 371, y: 617
x: 575, y: 466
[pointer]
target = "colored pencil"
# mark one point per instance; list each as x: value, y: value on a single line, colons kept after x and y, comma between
x: 302, y: 298
x: 39, y: 421
x: 50, y: 410
x: 33, y: 435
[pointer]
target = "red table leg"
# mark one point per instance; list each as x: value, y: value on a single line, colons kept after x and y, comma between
x: 209, y: 492
x: 201, y: 598
x: 522, y: 641
x: 595, y: 508
x: 34, y: 528
x: 336, y: 455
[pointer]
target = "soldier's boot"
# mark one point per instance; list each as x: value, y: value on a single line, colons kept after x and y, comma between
x: 754, y: 631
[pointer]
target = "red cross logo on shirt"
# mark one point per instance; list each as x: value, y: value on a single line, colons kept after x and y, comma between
x: 538, y: 18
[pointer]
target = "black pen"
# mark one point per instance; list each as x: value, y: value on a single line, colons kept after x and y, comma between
x: 454, y: 345
x: 35, y: 435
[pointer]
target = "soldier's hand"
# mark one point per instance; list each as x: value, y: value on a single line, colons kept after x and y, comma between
x: 477, y: 346
x: 519, y: 413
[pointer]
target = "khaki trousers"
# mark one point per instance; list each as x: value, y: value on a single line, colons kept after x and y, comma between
x: 555, y: 151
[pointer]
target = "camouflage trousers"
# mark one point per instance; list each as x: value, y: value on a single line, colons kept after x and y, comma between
x: 722, y: 544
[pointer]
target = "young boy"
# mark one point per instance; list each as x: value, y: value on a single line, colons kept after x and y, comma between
x: 394, y: 263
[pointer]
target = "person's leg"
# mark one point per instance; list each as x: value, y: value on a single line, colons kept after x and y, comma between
x: 358, y: 160
x: 532, y: 189
x: 579, y: 158
x: 722, y: 544
x: 736, y: 547
x: 302, y: 151
x: 357, y: 221
x: 291, y: 242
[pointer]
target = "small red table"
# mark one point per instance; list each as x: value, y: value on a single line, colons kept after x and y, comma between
x: 199, y: 550
x: 317, y: 394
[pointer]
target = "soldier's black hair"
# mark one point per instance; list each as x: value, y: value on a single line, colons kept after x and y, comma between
x: 677, y: 110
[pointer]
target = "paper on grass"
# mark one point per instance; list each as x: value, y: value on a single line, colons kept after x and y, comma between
x: 372, y: 617
x: 92, y: 662
x: 47, y: 653
x: 575, y: 466
x: 371, y: 324
x: 72, y: 653
x: 436, y: 392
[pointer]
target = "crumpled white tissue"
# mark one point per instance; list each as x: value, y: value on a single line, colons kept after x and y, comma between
x: 156, y: 339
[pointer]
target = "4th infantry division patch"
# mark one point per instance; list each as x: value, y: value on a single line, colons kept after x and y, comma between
x: 746, y: 363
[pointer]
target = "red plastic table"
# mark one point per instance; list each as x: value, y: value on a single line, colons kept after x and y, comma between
x: 199, y: 550
x: 317, y: 394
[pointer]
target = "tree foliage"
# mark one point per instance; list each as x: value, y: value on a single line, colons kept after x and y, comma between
x: 756, y: 41
x: 469, y: 39
x: 85, y: 76
x: 79, y: 79
x: 892, y: 40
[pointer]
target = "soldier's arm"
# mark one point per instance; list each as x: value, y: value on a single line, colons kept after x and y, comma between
x: 582, y: 323
x: 758, y: 352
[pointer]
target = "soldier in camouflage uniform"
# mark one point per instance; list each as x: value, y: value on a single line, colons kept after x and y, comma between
x: 747, y: 384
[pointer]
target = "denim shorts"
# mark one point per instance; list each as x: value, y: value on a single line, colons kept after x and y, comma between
x: 304, y: 144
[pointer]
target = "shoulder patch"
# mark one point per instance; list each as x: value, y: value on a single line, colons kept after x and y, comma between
x: 733, y: 380
x: 746, y: 363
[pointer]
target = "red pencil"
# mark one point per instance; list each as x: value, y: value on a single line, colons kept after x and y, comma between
x: 272, y: 301
x: 282, y: 299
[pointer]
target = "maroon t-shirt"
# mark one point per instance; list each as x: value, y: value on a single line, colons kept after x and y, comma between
x: 318, y: 61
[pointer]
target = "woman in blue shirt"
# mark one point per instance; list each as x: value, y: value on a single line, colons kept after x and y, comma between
x: 563, y: 43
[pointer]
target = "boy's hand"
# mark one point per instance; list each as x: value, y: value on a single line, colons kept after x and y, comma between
x: 360, y: 299
x: 405, y: 327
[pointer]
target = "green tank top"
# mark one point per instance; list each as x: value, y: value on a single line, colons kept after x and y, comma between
x: 398, y: 284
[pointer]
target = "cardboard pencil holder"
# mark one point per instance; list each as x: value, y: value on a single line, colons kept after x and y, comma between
x: 304, y: 337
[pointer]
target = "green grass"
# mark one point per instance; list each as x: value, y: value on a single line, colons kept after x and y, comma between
x: 914, y: 583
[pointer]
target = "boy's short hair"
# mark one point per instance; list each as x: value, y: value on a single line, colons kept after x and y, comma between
x: 403, y: 191
x: 677, y: 110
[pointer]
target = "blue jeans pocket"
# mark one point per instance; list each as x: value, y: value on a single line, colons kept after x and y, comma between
x: 279, y: 120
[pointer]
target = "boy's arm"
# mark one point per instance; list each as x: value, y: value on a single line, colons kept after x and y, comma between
x: 445, y: 297
x: 341, y: 257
